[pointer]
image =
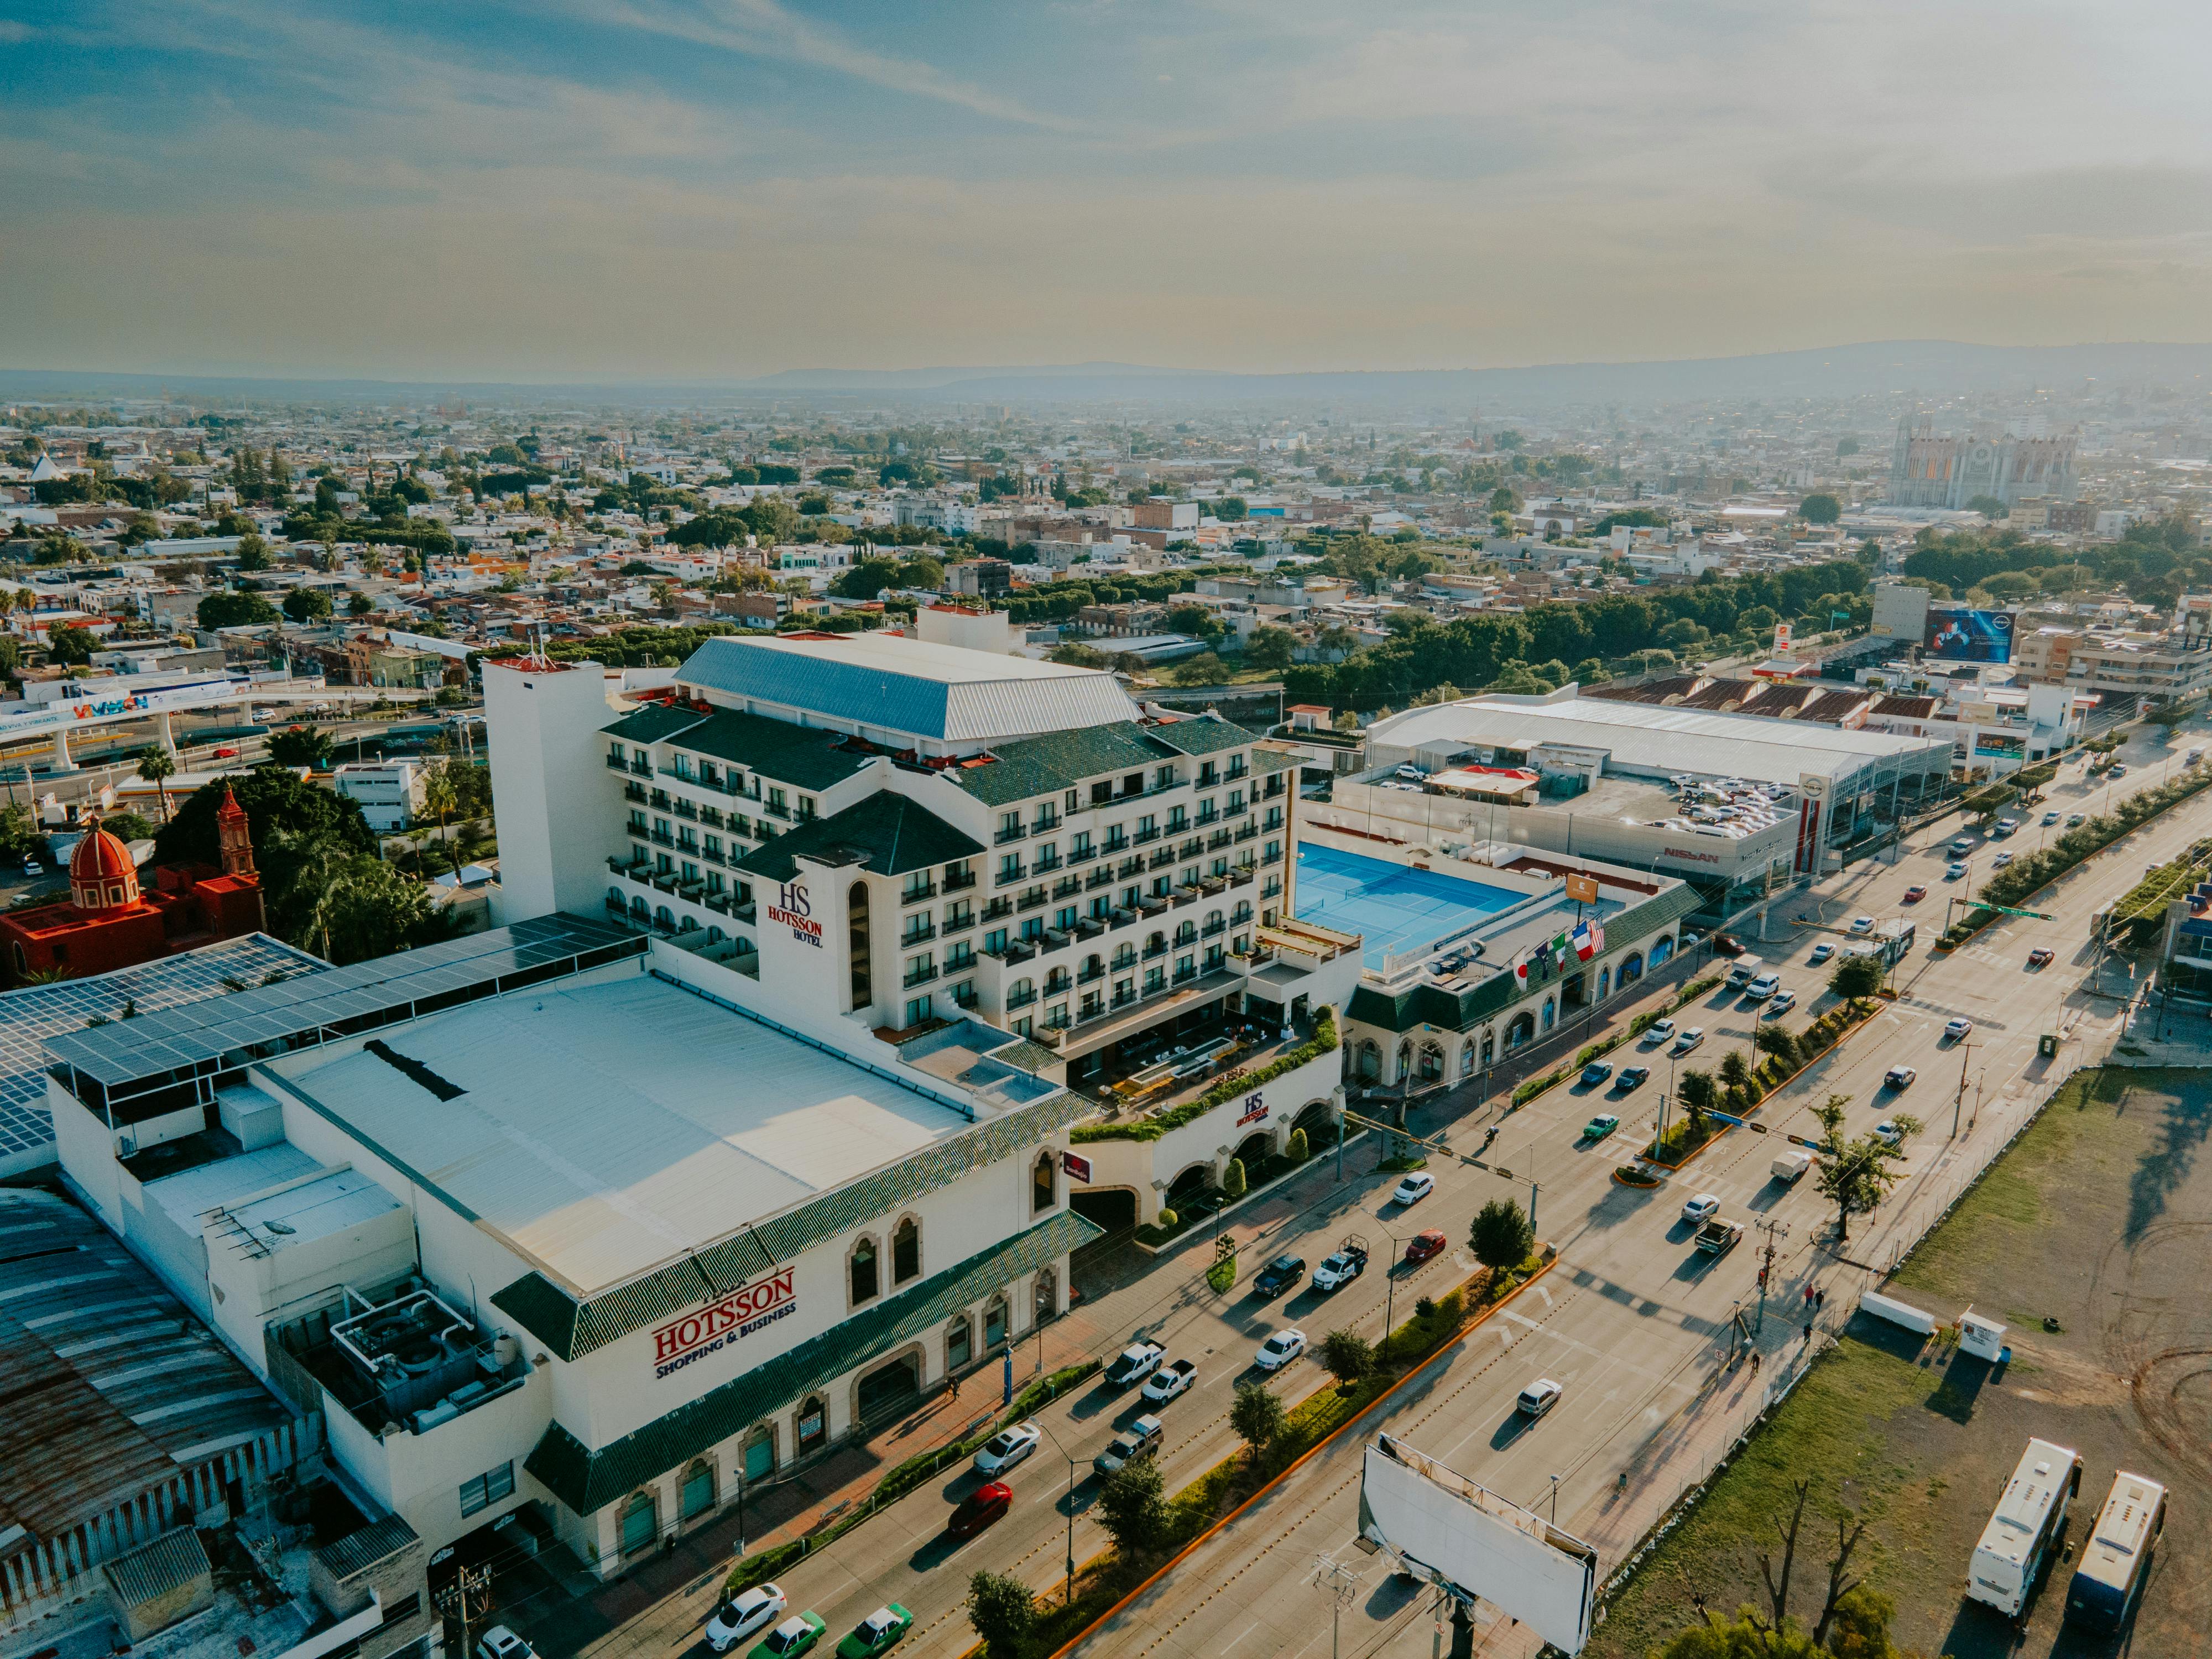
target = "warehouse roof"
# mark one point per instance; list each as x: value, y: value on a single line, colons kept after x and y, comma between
x: 1658, y: 739
x: 893, y: 684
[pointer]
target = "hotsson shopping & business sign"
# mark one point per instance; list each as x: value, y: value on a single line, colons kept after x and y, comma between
x: 740, y: 1313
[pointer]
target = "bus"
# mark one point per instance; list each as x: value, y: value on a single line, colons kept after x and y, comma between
x: 2024, y: 1530
x: 2117, y: 1558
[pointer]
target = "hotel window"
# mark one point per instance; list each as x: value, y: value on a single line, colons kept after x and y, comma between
x: 906, y: 1250
x: 488, y: 1488
x: 861, y: 1272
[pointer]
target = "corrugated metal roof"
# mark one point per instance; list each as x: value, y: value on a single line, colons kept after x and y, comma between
x: 108, y: 1387
x: 169, y: 1562
x: 362, y: 1549
x: 896, y: 684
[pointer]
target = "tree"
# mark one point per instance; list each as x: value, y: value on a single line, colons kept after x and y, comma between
x: 1734, y: 1073
x: 441, y: 795
x: 1698, y: 1094
x: 1204, y: 668
x: 1002, y: 1611
x: 234, y: 610
x: 371, y: 909
x: 1133, y: 1508
x: 1856, y: 1176
x: 359, y: 604
x: 1991, y: 507
x: 1269, y: 647
x: 1501, y: 1237
x: 1078, y: 655
x: 297, y: 827
x: 1233, y: 1180
x: 298, y: 745
x: 157, y: 766
x: 1772, y: 1039
x: 1347, y: 1356
x: 1857, y: 978
x: 308, y: 604
x: 252, y: 552
x: 1777, y: 1581
x: 1258, y: 1417
x: 1821, y: 508
x: 866, y: 579
x: 70, y: 644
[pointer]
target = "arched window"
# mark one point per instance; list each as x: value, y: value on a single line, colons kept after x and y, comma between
x: 1661, y: 950
x: 1405, y: 1061
x: 1214, y: 923
x: 1522, y: 1027
x: 1631, y: 969
x: 1551, y: 1012
x: 860, y: 1272
x: 1043, y: 1186
x: 698, y: 1489
x: 760, y: 1452
x: 813, y: 1424
x: 1186, y: 933
x: 959, y: 1346
x: 994, y: 1323
x: 856, y: 942
x: 1093, y: 966
x: 1467, y: 1060
x: 1370, y: 1062
x: 1490, y: 1045
x: 640, y: 909
x: 1048, y: 1294
x: 640, y: 1523
x: 1604, y: 983
x: 665, y: 919
x: 615, y: 901
x: 906, y: 1250
x: 1154, y: 944
x: 1432, y: 1062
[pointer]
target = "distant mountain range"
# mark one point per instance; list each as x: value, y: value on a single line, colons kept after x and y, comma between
x: 1880, y: 369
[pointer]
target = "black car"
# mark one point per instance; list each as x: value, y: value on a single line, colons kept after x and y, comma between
x: 1279, y: 1275
x: 1631, y: 1076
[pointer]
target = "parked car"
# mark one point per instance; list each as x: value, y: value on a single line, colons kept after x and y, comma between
x: 1165, y: 1383
x: 1279, y: 1350
x: 987, y: 1503
x: 1658, y: 1031
x: 1279, y: 1275
x: 1861, y: 925
x: 794, y: 1636
x: 1631, y: 1076
x: 1340, y: 1269
x: 2120, y: 769
x: 2039, y: 957
x: 1134, y: 1361
x: 1727, y: 945
x: 1899, y: 1077
x: 1702, y: 1207
x: 1538, y: 1397
x: 1888, y: 1134
x: 1431, y: 1240
x: 1007, y: 1448
x: 1822, y: 952
x: 744, y: 1614
x: 1915, y: 893
x: 1600, y: 1127
x: 1596, y: 1073
x: 500, y: 1642
x: 1958, y: 1028
x: 1781, y: 1002
x: 880, y: 1632
x: 1140, y: 1439
x: 1413, y: 1188
x: 1689, y: 1039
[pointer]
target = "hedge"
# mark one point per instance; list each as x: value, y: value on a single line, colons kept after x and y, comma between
x: 1323, y: 1041
x: 2038, y: 870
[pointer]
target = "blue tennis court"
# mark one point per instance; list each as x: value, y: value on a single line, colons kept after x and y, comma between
x: 1394, y: 908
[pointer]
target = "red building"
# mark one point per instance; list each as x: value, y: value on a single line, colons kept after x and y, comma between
x: 110, y: 921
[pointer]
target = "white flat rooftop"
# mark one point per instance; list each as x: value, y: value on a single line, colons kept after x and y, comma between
x: 602, y: 1130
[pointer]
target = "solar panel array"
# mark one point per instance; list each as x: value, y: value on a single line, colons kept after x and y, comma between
x: 30, y: 1017
x: 151, y: 1046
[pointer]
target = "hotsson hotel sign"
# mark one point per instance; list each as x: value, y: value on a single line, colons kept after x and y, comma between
x: 740, y: 1313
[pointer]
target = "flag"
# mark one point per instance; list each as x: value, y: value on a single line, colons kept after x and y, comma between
x: 1560, y: 947
x: 1585, y: 945
x: 1520, y: 970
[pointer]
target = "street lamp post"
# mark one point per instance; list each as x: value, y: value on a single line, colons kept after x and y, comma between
x: 1067, y: 1595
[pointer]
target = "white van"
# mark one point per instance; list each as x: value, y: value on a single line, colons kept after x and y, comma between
x: 1790, y: 1168
x: 1745, y: 969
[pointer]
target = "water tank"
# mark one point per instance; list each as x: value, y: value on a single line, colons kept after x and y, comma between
x: 505, y: 1350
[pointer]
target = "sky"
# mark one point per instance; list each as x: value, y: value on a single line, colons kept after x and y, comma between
x: 613, y: 190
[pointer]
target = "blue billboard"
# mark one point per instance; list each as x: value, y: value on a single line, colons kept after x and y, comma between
x: 1957, y: 635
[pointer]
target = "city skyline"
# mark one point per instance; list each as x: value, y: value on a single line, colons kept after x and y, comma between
x: 648, y: 189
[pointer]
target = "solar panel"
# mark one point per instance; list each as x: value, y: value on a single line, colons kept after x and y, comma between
x: 30, y: 1017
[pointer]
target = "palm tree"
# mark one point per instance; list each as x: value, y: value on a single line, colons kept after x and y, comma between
x: 443, y: 796
x: 157, y: 766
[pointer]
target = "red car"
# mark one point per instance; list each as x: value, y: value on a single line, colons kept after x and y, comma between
x: 1727, y: 945
x: 2039, y: 957
x: 1915, y: 893
x: 1423, y: 1245
x: 979, y: 1509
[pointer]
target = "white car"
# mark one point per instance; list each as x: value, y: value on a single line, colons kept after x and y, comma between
x: 1763, y: 987
x: 1689, y: 1039
x: 1782, y: 1002
x: 32, y: 868
x: 1007, y: 1448
x: 1958, y: 1028
x: 1702, y: 1207
x: 745, y: 1615
x: 2050, y: 818
x: 1953, y: 870
x: 1888, y: 1134
x: 1538, y: 1397
x: 500, y: 1642
x: 1279, y: 1350
x: 1658, y: 1031
x: 1861, y: 924
x: 2003, y: 859
x: 1822, y: 951
x: 1900, y: 1077
x: 1413, y: 1188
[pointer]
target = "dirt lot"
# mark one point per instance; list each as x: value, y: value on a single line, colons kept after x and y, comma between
x: 2101, y: 1218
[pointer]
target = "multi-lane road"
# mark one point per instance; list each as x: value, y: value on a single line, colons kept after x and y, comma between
x: 1632, y: 1320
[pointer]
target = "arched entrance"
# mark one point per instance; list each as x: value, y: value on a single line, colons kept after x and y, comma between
x: 1431, y: 1063
x: 1522, y: 1027
x: 1370, y: 1062
x: 1632, y: 968
x: 1114, y: 1208
x: 698, y: 1490
x: 1253, y: 1149
x: 1187, y: 1185
x: 1661, y: 950
x: 1405, y: 1062
x: 1045, y: 1304
x: 890, y: 1387
x: 640, y: 1523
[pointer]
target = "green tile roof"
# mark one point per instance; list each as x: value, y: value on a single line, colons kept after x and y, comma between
x: 586, y: 1480
x: 1206, y: 735
x: 652, y: 722
x: 888, y: 832
x: 572, y: 1329
x: 805, y: 757
x: 1273, y: 760
x: 1060, y: 760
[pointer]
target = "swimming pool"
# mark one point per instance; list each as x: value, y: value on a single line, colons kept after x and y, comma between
x: 1394, y: 908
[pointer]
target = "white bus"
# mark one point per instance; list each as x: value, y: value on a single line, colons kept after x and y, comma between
x: 2031, y: 1513
x: 2118, y: 1554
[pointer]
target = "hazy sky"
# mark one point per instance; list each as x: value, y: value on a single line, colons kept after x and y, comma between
x: 694, y: 188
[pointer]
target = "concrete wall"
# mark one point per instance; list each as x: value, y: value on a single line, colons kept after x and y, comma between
x: 559, y: 802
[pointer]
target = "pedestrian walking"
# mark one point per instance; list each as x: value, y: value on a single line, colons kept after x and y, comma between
x: 1820, y: 1298
x: 1809, y: 1330
x: 1754, y: 1362
x: 1809, y: 1296
x: 956, y: 1388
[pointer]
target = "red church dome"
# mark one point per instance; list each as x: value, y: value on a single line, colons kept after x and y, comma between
x: 101, y: 874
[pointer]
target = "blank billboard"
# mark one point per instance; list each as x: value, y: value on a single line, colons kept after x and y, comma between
x: 1467, y: 1536
x: 1959, y: 636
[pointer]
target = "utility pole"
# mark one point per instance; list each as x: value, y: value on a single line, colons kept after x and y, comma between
x: 1340, y: 1583
x: 454, y: 1599
x: 1774, y: 1230
x: 1966, y: 1050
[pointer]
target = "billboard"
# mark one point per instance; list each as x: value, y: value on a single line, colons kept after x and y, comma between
x: 1444, y: 1527
x: 1961, y: 636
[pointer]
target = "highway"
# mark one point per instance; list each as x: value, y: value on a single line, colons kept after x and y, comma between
x: 1632, y: 1320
